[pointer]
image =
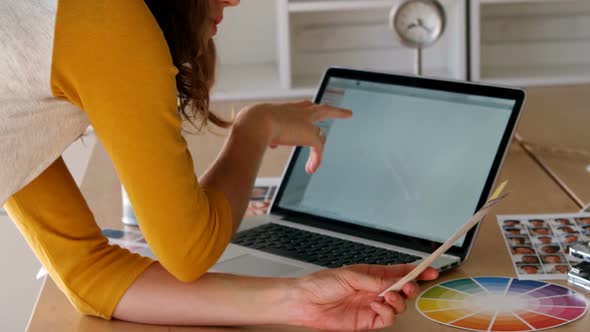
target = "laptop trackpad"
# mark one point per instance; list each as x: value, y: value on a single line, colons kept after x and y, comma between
x: 255, y: 266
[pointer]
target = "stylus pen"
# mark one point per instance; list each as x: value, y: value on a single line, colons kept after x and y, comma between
x: 477, y: 217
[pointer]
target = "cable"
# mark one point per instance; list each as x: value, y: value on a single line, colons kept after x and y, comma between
x: 528, y: 149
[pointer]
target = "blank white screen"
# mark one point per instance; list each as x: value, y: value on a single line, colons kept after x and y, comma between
x: 403, y: 163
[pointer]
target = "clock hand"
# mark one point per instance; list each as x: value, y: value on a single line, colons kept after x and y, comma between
x: 421, y: 24
x: 411, y: 26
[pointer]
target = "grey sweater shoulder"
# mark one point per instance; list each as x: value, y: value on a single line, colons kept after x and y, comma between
x: 35, y: 127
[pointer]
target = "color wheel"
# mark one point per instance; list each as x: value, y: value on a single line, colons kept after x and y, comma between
x: 501, y: 304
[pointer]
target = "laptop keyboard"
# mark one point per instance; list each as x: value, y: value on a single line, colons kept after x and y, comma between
x: 316, y: 248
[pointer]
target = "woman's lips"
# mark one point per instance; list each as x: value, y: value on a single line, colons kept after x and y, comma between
x: 214, y: 22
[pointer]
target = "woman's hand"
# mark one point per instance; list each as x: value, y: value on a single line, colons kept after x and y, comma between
x: 346, y: 299
x: 294, y: 124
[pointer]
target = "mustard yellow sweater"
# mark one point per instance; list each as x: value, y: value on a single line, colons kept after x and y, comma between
x: 110, y: 59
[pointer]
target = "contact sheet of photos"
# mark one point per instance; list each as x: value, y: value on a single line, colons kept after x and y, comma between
x: 538, y: 244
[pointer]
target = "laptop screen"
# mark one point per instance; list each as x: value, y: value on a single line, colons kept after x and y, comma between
x: 411, y: 160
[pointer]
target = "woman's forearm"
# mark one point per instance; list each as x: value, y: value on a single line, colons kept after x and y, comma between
x: 235, y: 169
x: 215, y: 299
x: 291, y: 124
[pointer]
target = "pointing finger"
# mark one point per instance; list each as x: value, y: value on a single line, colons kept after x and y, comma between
x: 323, y: 112
x: 314, y: 161
x: 303, y: 103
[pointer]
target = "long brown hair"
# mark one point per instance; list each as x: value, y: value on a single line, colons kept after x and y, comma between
x: 186, y: 24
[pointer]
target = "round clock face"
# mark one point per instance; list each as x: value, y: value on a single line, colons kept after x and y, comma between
x: 418, y: 23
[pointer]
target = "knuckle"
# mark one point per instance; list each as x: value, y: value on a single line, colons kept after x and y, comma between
x: 319, y: 108
x: 402, y: 306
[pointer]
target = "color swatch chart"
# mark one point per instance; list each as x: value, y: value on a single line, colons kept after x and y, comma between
x: 501, y: 304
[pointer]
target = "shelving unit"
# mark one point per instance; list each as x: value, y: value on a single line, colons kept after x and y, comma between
x: 280, y: 48
x: 360, y: 38
x: 310, y: 6
x: 283, y: 52
x: 247, y: 52
x: 530, y: 42
x: 254, y: 82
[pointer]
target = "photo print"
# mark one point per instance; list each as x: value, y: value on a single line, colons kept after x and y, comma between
x: 262, y: 195
x: 529, y: 269
x: 539, y: 244
x: 518, y: 240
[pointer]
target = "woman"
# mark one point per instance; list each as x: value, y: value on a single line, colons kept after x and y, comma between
x: 122, y: 66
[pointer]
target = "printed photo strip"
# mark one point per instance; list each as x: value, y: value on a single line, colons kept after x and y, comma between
x: 538, y: 244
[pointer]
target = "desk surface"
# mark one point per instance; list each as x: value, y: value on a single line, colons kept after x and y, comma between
x: 572, y: 169
x: 555, y: 122
x: 557, y: 116
x: 533, y: 191
x: 490, y: 257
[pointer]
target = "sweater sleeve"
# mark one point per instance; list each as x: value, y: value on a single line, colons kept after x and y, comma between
x: 55, y: 220
x: 111, y: 59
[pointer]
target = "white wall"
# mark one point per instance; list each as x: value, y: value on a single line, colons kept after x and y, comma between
x: 18, y: 285
x: 254, y: 19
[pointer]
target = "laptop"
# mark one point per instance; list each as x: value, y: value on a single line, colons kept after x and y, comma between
x: 416, y: 160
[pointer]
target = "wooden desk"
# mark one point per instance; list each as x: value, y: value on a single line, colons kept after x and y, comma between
x: 557, y: 116
x: 572, y: 170
x: 555, y: 123
x: 532, y: 191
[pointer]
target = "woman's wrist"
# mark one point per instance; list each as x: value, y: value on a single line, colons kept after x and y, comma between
x: 285, y: 303
x: 257, y: 301
x: 255, y: 121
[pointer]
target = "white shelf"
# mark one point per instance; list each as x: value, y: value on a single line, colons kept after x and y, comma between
x: 302, y: 6
x: 519, y: 1
x: 531, y: 42
x: 306, y: 82
x: 309, y: 82
x: 289, y: 44
x: 283, y: 52
x: 537, y: 75
x: 361, y: 38
x: 251, y: 82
